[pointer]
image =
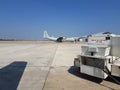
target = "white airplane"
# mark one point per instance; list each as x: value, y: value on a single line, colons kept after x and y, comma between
x: 59, y: 39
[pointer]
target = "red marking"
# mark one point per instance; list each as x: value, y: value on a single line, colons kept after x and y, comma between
x: 76, y: 59
x: 108, y: 35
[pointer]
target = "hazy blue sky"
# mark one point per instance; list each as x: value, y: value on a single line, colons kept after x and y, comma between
x: 27, y: 19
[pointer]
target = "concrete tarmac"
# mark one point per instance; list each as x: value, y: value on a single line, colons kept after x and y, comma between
x: 42, y: 65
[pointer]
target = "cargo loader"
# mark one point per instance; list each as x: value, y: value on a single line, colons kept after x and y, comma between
x: 100, y: 57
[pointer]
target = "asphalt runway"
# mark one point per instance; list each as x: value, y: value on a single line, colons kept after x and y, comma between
x: 43, y: 65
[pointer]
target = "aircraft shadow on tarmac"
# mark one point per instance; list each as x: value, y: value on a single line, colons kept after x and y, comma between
x: 73, y: 69
x: 11, y: 74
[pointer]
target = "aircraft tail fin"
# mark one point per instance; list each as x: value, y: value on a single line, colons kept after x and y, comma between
x: 45, y: 34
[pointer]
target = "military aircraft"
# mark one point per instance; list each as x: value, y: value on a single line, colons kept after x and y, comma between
x: 60, y: 39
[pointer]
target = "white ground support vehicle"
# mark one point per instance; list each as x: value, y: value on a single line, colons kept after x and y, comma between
x: 100, y: 57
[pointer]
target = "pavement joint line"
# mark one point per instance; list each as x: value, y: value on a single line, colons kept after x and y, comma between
x: 50, y: 67
x: 53, y: 61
